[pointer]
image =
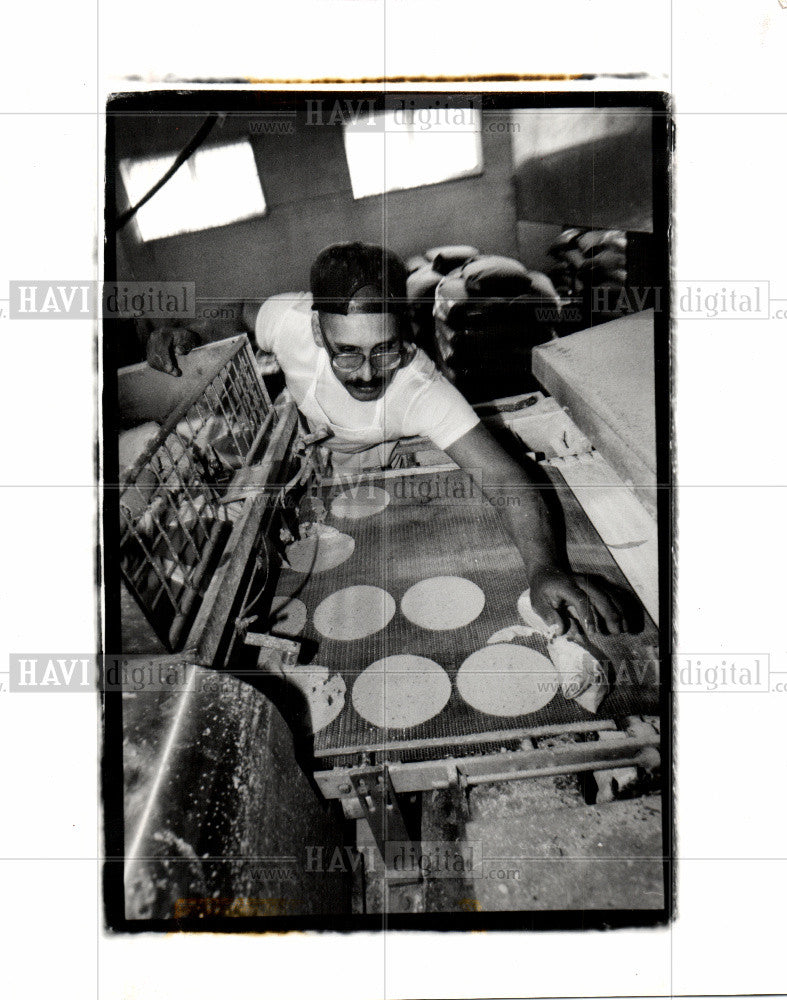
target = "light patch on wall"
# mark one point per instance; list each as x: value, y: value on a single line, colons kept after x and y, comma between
x: 396, y: 150
x: 216, y: 186
x: 537, y: 133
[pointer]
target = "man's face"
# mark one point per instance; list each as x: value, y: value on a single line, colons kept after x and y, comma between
x: 358, y: 333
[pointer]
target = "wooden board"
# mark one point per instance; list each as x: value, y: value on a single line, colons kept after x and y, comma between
x: 605, y: 377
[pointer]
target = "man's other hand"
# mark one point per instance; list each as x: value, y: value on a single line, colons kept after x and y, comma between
x: 559, y: 596
x: 166, y: 344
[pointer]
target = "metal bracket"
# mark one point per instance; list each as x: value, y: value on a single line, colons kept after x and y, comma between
x: 275, y: 653
x: 380, y: 807
x: 457, y: 784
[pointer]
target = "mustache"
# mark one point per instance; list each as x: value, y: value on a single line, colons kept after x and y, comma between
x: 376, y: 383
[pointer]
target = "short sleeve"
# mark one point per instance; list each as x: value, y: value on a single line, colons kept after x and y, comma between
x: 437, y: 410
x: 274, y: 315
x: 268, y: 323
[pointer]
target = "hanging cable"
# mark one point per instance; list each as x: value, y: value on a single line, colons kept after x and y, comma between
x: 188, y: 150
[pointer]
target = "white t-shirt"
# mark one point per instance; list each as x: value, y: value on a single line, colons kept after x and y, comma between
x: 419, y: 401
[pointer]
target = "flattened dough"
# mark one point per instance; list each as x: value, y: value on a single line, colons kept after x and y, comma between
x: 324, y: 695
x: 507, y: 680
x: 288, y: 615
x: 360, y: 501
x: 531, y: 617
x: 326, y: 550
x: 511, y: 633
x: 443, y: 602
x: 354, y: 612
x: 401, y: 691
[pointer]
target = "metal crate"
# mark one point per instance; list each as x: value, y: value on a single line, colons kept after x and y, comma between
x: 174, y: 521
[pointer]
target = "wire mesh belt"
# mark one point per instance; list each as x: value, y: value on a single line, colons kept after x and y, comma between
x: 429, y: 532
x: 172, y: 521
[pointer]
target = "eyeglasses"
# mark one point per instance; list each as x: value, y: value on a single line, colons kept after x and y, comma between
x: 382, y: 359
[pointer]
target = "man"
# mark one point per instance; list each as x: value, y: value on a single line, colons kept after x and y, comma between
x: 347, y: 360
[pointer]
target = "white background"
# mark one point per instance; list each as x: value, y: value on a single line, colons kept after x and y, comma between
x: 723, y: 61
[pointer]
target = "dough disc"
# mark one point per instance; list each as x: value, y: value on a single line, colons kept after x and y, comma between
x: 531, y: 617
x: 398, y: 692
x: 507, y: 680
x: 354, y: 612
x: 288, y: 615
x: 319, y: 552
x: 323, y: 695
x: 443, y: 602
x: 359, y: 502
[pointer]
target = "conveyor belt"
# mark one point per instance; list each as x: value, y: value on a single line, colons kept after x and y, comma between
x: 414, y: 538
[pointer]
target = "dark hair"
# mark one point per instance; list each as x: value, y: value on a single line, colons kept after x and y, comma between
x: 344, y: 270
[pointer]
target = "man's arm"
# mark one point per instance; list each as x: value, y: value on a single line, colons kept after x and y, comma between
x: 555, y: 592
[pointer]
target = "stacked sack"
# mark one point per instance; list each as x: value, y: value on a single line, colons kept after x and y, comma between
x: 424, y: 273
x: 489, y: 314
x: 590, y: 268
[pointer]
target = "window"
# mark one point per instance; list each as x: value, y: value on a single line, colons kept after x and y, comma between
x: 407, y: 148
x: 217, y: 185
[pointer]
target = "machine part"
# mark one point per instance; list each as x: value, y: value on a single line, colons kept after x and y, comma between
x: 216, y: 609
x: 375, y: 794
x: 311, y: 511
x: 562, y: 758
x: 201, y: 825
x: 639, y: 726
x: 313, y: 468
x: 317, y: 437
x: 172, y: 522
x: 275, y: 653
x: 444, y: 747
x: 618, y: 783
x: 614, y: 782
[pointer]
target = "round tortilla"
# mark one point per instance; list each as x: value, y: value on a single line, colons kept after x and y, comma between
x: 443, y: 602
x: 354, y: 612
x: 360, y: 501
x: 507, y: 680
x: 398, y: 692
x: 288, y: 615
x: 317, y: 553
x: 323, y: 695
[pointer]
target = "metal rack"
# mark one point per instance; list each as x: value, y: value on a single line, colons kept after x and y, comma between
x: 179, y: 501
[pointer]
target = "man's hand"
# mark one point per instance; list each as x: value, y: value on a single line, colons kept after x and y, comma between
x: 558, y: 596
x: 166, y: 344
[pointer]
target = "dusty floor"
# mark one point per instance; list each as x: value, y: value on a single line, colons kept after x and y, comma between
x: 538, y: 845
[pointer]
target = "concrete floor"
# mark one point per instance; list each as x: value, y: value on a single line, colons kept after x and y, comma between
x: 537, y: 845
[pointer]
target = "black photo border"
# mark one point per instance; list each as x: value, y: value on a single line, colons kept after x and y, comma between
x: 108, y: 610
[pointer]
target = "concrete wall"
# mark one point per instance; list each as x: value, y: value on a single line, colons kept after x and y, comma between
x: 582, y: 167
x: 310, y: 205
